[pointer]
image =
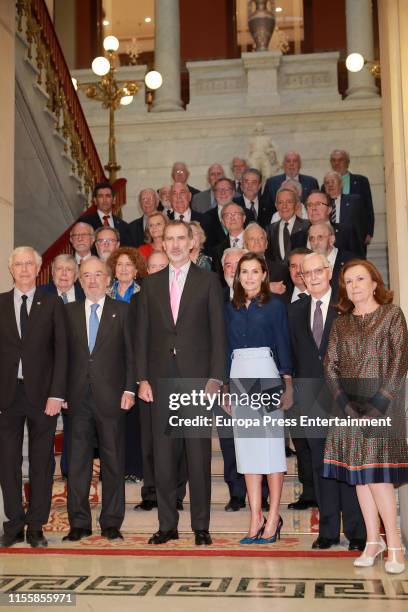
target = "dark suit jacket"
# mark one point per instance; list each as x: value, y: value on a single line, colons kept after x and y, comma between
x: 198, y: 337
x: 136, y: 232
x: 193, y: 190
x: 298, y: 237
x: 109, y: 369
x: 265, y: 211
x: 274, y: 182
x: 120, y: 225
x: 359, y: 185
x: 43, y: 351
x: 214, y: 230
x: 51, y: 288
x: 351, y: 230
x: 341, y: 258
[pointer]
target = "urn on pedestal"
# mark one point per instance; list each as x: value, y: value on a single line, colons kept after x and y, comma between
x: 261, y: 22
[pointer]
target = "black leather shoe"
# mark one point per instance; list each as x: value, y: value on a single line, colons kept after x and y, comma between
x: 356, y: 544
x: 9, y: 540
x: 179, y: 505
x: 161, y: 537
x: 77, y: 533
x: 36, y: 538
x: 111, y: 533
x: 265, y: 505
x: 234, y: 504
x: 324, y: 543
x: 146, y: 504
x: 202, y: 537
x: 302, y: 504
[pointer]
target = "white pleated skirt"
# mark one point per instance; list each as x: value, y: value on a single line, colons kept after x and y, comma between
x: 261, y: 449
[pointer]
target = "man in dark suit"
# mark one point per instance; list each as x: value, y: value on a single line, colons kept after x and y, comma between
x: 33, y: 371
x: 107, y: 241
x: 291, y: 165
x: 104, y: 198
x: 101, y: 388
x: 180, y: 198
x: 347, y: 216
x: 252, y: 200
x: 355, y: 184
x: 180, y: 334
x: 82, y: 239
x: 233, y: 219
x: 321, y: 239
x: 148, y: 202
x: 238, y: 167
x: 206, y: 200
x: 180, y: 174
x: 164, y: 200
x: 288, y: 233
x: 310, y: 321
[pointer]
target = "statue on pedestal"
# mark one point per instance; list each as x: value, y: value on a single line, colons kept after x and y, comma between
x: 262, y: 153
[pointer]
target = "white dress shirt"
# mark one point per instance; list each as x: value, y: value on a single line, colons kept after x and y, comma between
x: 70, y: 294
x: 109, y: 215
x: 290, y: 223
x: 17, y: 307
x: 79, y: 259
x: 186, y: 215
x: 240, y: 241
x: 331, y: 257
x: 248, y: 204
x: 325, y: 299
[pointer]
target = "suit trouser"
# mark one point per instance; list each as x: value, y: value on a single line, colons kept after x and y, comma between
x: 85, y: 420
x: 335, y: 499
x: 133, y: 454
x: 305, y: 469
x: 148, y: 491
x: 41, y: 434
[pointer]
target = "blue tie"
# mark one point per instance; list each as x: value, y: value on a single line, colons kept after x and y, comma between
x: 93, y: 327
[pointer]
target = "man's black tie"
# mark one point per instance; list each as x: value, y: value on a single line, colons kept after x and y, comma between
x: 253, y: 209
x: 286, y: 241
x: 23, y: 316
x: 333, y: 212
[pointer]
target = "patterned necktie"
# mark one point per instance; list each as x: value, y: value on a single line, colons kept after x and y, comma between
x: 286, y: 241
x: 301, y: 295
x: 234, y: 243
x: 23, y: 316
x: 333, y: 212
x: 175, y: 295
x: 181, y: 217
x: 317, y: 328
x: 93, y: 327
x: 253, y: 209
x: 64, y: 297
x: 106, y: 220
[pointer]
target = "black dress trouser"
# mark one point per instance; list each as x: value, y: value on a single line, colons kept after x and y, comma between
x: 41, y: 435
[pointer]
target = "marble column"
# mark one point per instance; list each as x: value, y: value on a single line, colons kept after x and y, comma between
x: 393, y: 27
x: 167, y: 55
x: 7, y: 68
x: 359, y: 17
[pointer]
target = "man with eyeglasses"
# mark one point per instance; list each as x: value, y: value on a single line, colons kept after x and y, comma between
x: 214, y: 226
x: 33, y: 372
x: 104, y: 198
x: 180, y: 174
x: 288, y: 233
x: 206, y: 200
x: 82, y: 238
x: 148, y: 202
x: 233, y: 219
x: 107, y: 241
x: 310, y: 321
x: 101, y: 388
x: 238, y: 167
x: 321, y: 237
x: 251, y: 198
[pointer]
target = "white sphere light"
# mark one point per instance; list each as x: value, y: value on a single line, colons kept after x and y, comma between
x: 354, y: 62
x: 111, y: 43
x: 100, y: 66
x: 126, y: 100
x: 153, y: 79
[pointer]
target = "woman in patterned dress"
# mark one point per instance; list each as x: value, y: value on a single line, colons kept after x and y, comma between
x: 366, y: 364
x: 196, y: 254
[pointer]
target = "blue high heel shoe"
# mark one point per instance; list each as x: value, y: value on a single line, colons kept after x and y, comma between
x: 254, y: 539
x: 276, y: 535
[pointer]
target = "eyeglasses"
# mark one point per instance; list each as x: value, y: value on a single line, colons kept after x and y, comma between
x: 180, y: 171
x: 106, y: 240
x: 80, y: 235
x: 232, y: 215
x: 314, y: 272
x: 317, y: 204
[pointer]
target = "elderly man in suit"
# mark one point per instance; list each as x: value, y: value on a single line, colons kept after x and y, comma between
x: 310, y: 321
x: 288, y: 233
x: 251, y: 198
x: 33, y: 372
x: 296, y: 258
x: 104, y: 198
x: 355, y: 184
x: 180, y: 334
x: 64, y: 271
x: 291, y: 165
x: 82, y: 238
x: 321, y: 238
x: 233, y: 219
x: 180, y: 198
x: 180, y: 174
x: 206, y: 200
x: 148, y: 202
x: 101, y: 388
x: 238, y: 167
x: 107, y: 241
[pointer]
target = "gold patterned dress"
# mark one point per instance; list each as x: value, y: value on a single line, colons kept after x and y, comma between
x: 366, y: 365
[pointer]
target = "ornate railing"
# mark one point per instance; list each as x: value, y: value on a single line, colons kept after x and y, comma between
x: 44, y: 51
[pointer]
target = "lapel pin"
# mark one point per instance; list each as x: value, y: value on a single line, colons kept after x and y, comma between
x: 113, y: 316
x: 38, y: 303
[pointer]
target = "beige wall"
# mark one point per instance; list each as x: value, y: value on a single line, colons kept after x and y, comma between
x: 393, y: 22
x: 7, y: 138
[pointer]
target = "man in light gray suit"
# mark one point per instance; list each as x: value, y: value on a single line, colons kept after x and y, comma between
x: 205, y: 200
